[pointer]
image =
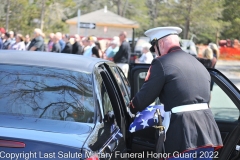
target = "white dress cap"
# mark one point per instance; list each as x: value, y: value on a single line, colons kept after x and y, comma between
x: 160, y: 32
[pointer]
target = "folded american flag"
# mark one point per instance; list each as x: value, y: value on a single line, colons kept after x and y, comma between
x: 146, y: 118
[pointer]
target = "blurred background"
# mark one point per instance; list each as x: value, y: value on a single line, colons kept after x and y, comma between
x: 202, y: 21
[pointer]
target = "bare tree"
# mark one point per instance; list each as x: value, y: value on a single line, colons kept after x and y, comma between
x: 187, y: 19
x: 42, y: 13
x: 8, y: 13
x: 153, y: 6
x: 119, y: 7
x: 125, y: 8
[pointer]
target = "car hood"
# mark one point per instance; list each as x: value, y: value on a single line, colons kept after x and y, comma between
x: 52, y: 131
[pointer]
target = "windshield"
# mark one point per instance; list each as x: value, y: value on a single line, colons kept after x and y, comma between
x: 46, y: 93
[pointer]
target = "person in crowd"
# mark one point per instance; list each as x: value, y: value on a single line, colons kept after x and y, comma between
x: 19, y: 44
x: 7, y: 41
x: 2, y: 33
x: 27, y: 41
x: 37, y: 44
x: 2, y: 37
x: 93, y: 50
x: 112, y: 48
x: 208, y: 59
x: 236, y: 44
x: 56, y: 45
x: 122, y: 56
x: 12, y: 37
x: 72, y: 40
x: 229, y: 43
x: 216, y: 52
x: 209, y: 54
x: 68, y: 46
x: 45, y: 45
x: 85, y: 44
x: 77, y: 47
x: 1, y: 41
x: 61, y: 41
x: 146, y: 56
x: 98, y: 45
x: 50, y: 42
x: 108, y: 49
x: 94, y: 38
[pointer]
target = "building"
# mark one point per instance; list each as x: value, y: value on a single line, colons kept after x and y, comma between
x: 108, y: 24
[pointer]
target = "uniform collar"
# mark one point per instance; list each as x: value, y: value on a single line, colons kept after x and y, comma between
x: 174, y: 49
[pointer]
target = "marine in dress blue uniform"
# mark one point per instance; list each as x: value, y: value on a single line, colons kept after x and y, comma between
x: 182, y: 84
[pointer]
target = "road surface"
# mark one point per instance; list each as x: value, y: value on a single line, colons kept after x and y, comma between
x: 231, y: 69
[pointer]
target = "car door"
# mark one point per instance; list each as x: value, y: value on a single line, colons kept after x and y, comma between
x: 225, y: 106
x: 123, y: 91
x: 142, y: 140
x: 224, y: 103
x: 107, y: 138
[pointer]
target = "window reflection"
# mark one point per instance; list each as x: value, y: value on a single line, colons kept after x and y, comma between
x: 222, y: 106
x: 124, y: 80
x: 124, y: 91
x: 47, y: 93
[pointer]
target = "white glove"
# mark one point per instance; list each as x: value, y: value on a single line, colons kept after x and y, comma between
x: 130, y: 113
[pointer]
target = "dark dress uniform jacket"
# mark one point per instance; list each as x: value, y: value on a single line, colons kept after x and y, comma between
x: 178, y: 78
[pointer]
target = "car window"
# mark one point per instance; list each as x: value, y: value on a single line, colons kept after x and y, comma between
x: 124, y: 91
x: 109, y: 116
x: 140, y: 81
x: 222, y: 106
x: 107, y: 106
x: 128, y: 88
x: 46, y: 93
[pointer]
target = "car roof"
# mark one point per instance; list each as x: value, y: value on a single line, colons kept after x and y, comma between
x: 49, y: 59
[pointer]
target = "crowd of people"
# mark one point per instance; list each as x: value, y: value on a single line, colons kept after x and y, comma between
x: 117, y: 49
x: 55, y: 42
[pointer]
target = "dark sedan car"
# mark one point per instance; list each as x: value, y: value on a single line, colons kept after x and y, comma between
x: 61, y: 106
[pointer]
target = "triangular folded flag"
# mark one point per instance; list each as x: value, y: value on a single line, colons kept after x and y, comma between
x: 146, y: 118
